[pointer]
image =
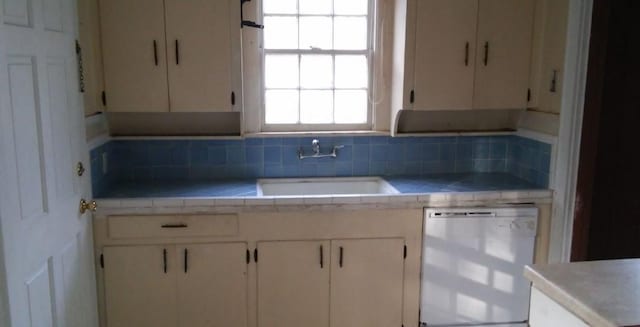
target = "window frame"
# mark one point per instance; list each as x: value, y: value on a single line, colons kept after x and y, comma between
x: 368, y: 52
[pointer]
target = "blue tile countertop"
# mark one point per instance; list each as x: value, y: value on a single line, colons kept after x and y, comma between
x: 436, y: 183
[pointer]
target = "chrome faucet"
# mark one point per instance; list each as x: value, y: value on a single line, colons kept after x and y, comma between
x: 315, y: 147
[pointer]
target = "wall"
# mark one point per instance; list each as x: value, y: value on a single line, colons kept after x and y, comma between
x: 163, y: 160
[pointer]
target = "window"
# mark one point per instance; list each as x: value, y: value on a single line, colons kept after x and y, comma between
x: 317, y: 63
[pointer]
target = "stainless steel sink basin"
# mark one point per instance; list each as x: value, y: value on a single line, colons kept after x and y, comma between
x: 324, y: 186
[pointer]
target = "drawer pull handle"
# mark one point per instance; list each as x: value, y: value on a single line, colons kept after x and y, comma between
x: 174, y: 226
x: 341, y: 256
x: 321, y: 257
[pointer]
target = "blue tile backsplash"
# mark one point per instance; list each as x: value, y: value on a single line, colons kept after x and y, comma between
x: 184, y: 160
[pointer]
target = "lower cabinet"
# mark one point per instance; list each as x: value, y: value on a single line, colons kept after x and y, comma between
x: 293, y: 283
x: 138, y: 291
x: 336, y: 283
x: 176, y: 285
x: 367, y: 282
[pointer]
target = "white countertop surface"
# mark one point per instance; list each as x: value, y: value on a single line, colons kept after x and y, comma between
x: 602, y: 293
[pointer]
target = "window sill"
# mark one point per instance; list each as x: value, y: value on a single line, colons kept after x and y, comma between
x: 317, y: 133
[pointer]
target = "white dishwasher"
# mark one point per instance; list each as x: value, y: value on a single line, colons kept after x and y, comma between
x: 472, y: 266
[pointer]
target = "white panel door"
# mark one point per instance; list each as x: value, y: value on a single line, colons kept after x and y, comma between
x: 45, y: 244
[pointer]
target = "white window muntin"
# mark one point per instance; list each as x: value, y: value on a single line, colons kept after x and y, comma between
x: 367, y: 53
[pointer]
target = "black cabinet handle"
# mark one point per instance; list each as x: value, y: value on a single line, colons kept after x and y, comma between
x: 321, y: 257
x: 174, y: 226
x: 164, y: 260
x: 486, y: 53
x: 155, y: 52
x: 554, y: 82
x: 341, y: 256
x: 466, y: 54
x: 186, y: 260
x: 177, y: 52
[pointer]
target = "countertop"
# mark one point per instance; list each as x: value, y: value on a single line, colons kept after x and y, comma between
x: 602, y: 293
x: 448, y: 183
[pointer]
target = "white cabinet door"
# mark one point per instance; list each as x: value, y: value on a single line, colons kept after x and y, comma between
x: 199, y: 40
x: 212, y: 285
x: 140, y: 285
x: 445, y: 54
x: 367, y: 278
x: 504, y: 53
x: 293, y: 284
x: 46, y: 262
x: 134, y: 55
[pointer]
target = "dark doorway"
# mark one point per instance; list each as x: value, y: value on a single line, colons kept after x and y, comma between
x: 607, y: 218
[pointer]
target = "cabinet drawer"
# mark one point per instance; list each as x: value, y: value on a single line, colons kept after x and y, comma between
x: 172, y: 226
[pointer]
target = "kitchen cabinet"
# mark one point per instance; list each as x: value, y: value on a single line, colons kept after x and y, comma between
x: 138, y: 290
x: 366, y: 282
x: 504, y: 43
x: 466, y: 54
x: 212, y: 286
x: 445, y: 48
x: 293, y: 283
x: 547, y: 64
x: 258, y: 268
x: 176, y: 285
x: 337, y: 283
x: 171, y: 55
x: 134, y: 56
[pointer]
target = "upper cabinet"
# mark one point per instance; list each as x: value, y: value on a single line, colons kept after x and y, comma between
x: 171, y: 55
x: 505, y: 29
x: 467, y: 54
x: 445, y: 54
x: 547, y: 64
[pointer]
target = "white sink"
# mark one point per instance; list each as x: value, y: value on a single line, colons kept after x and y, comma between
x: 324, y: 186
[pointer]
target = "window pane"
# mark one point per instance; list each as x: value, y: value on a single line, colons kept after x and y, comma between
x: 280, y: 32
x: 316, y: 7
x: 316, y: 107
x: 281, y: 107
x: 316, y: 71
x: 350, y: 33
x: 351, y: 107
x: 281, y: 71
x: 352, y: 72
x: 279, y: 6
x: 350, y: 7
x: 315, y: 32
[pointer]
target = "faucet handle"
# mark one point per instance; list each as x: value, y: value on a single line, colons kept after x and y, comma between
x: 338, y: 146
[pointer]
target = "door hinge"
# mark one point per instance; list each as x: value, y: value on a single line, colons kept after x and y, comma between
x: 255, y: 255
x: 244, y: 22
x: 412, y: 96
x: 101, y: 260
x: 233, y: 98
x: 248, y: 256
x: 104, y: 98
x: 528, y: 95
x: 404, y: 252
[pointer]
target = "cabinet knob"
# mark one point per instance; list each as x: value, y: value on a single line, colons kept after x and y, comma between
x: 88, y: 205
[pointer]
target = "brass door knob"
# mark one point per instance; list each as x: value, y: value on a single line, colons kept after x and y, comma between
x: 84, y: 206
